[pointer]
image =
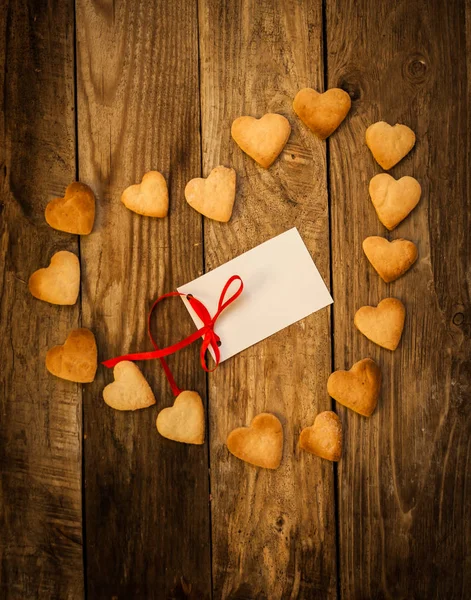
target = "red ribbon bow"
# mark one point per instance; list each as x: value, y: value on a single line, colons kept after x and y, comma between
x: 210, y: 338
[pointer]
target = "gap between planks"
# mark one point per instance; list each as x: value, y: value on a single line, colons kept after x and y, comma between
x: 77, y: 178
x: 203, y: 257
x: 325, y: 67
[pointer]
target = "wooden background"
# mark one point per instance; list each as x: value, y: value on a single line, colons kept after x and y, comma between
x: 93, y: 503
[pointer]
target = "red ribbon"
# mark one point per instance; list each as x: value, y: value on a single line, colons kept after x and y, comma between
x: 210, y: 338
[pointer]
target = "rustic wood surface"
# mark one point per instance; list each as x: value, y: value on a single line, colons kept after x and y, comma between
x: 273, y: 531
x: 40, y: 416
x: 146, y: 498
x: 403, y: 482
x: 94, y: 503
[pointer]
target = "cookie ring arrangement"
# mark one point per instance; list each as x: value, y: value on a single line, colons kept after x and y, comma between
x: 263, y: 139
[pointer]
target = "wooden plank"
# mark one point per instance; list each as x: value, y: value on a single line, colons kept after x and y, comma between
x: 147, y: 499
x: 40, y: 424
x: 404, y: 482
x: 273, y: 531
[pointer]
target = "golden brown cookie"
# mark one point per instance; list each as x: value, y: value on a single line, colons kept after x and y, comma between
x: 148, y: 198
x: 394, y: 199
x: 184, y: 421
x: 59, y: 283
x: 382, y: 324
x: 389, y: 144
x: 322, y: 113
x: 75, y: 212
x: 129, y: 390
x: 324, y: 438
x: 390, y: 259
x: 357, y: 389
x: 263, y: 139
x: 214, y: 196
x: 261, y: 444
x: 76, y: 359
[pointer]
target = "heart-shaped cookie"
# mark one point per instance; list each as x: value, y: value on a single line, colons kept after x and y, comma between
x: 129, y: 390
x: 357, y: 389
x: 75, y: 212
x: 148, y: 198
x: 382, y: 324
x: 389, y: 144
x: 390, y: 259
x: 261, y: 444
x: 324, y: 438
x: 262, y: 139
x: 76, y: 359
x: 214, y: 196
x: 59, y: 283
x: 394, y: 199
x: 322, y: 113
x: 184, y: 421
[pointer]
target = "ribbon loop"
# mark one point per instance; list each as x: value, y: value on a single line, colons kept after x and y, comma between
x: 224, y: 304
x: 210, y: 338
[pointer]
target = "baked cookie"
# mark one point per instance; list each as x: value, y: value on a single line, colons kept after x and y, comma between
x: 148, y: 198
x: 184, y: 421
x: 324, y: 438
x: 214, y: 196
x: 390, y: 259
x: 129, y: 390
x: 59, y: 283
x: 394, y: 199
x: 262, y: 139
x: 358, y: 388
x: 76, y: 359
x: 382, y: 324
x: 75, y: 212
x: 261, y: 444
x: 389, y: 144
x: 322, y: 113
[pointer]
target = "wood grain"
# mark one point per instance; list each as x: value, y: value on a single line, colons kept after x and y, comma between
x: 147, y: 498
x: 273, y: 531
x: 40, y: 416
x: 404, y: 483
x: 404, y: 522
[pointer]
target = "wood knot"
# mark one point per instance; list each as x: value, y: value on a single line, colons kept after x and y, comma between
x: 415, y: 68
x: 352, y: 87
x: 458, y: 318
x: 279, y: 523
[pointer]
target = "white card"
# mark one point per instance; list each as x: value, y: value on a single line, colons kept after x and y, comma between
x: 281, y: 286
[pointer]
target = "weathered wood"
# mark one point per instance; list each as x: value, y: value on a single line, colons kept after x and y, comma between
x: 147, y: 498
x: 40, y: 424
x: 273, y: 531
x: 404, y: 488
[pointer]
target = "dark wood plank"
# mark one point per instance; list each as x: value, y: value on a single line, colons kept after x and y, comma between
x: 273, y: 531
x: 404, y: 484
x: 40, y: 423
x: 147, y: 499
